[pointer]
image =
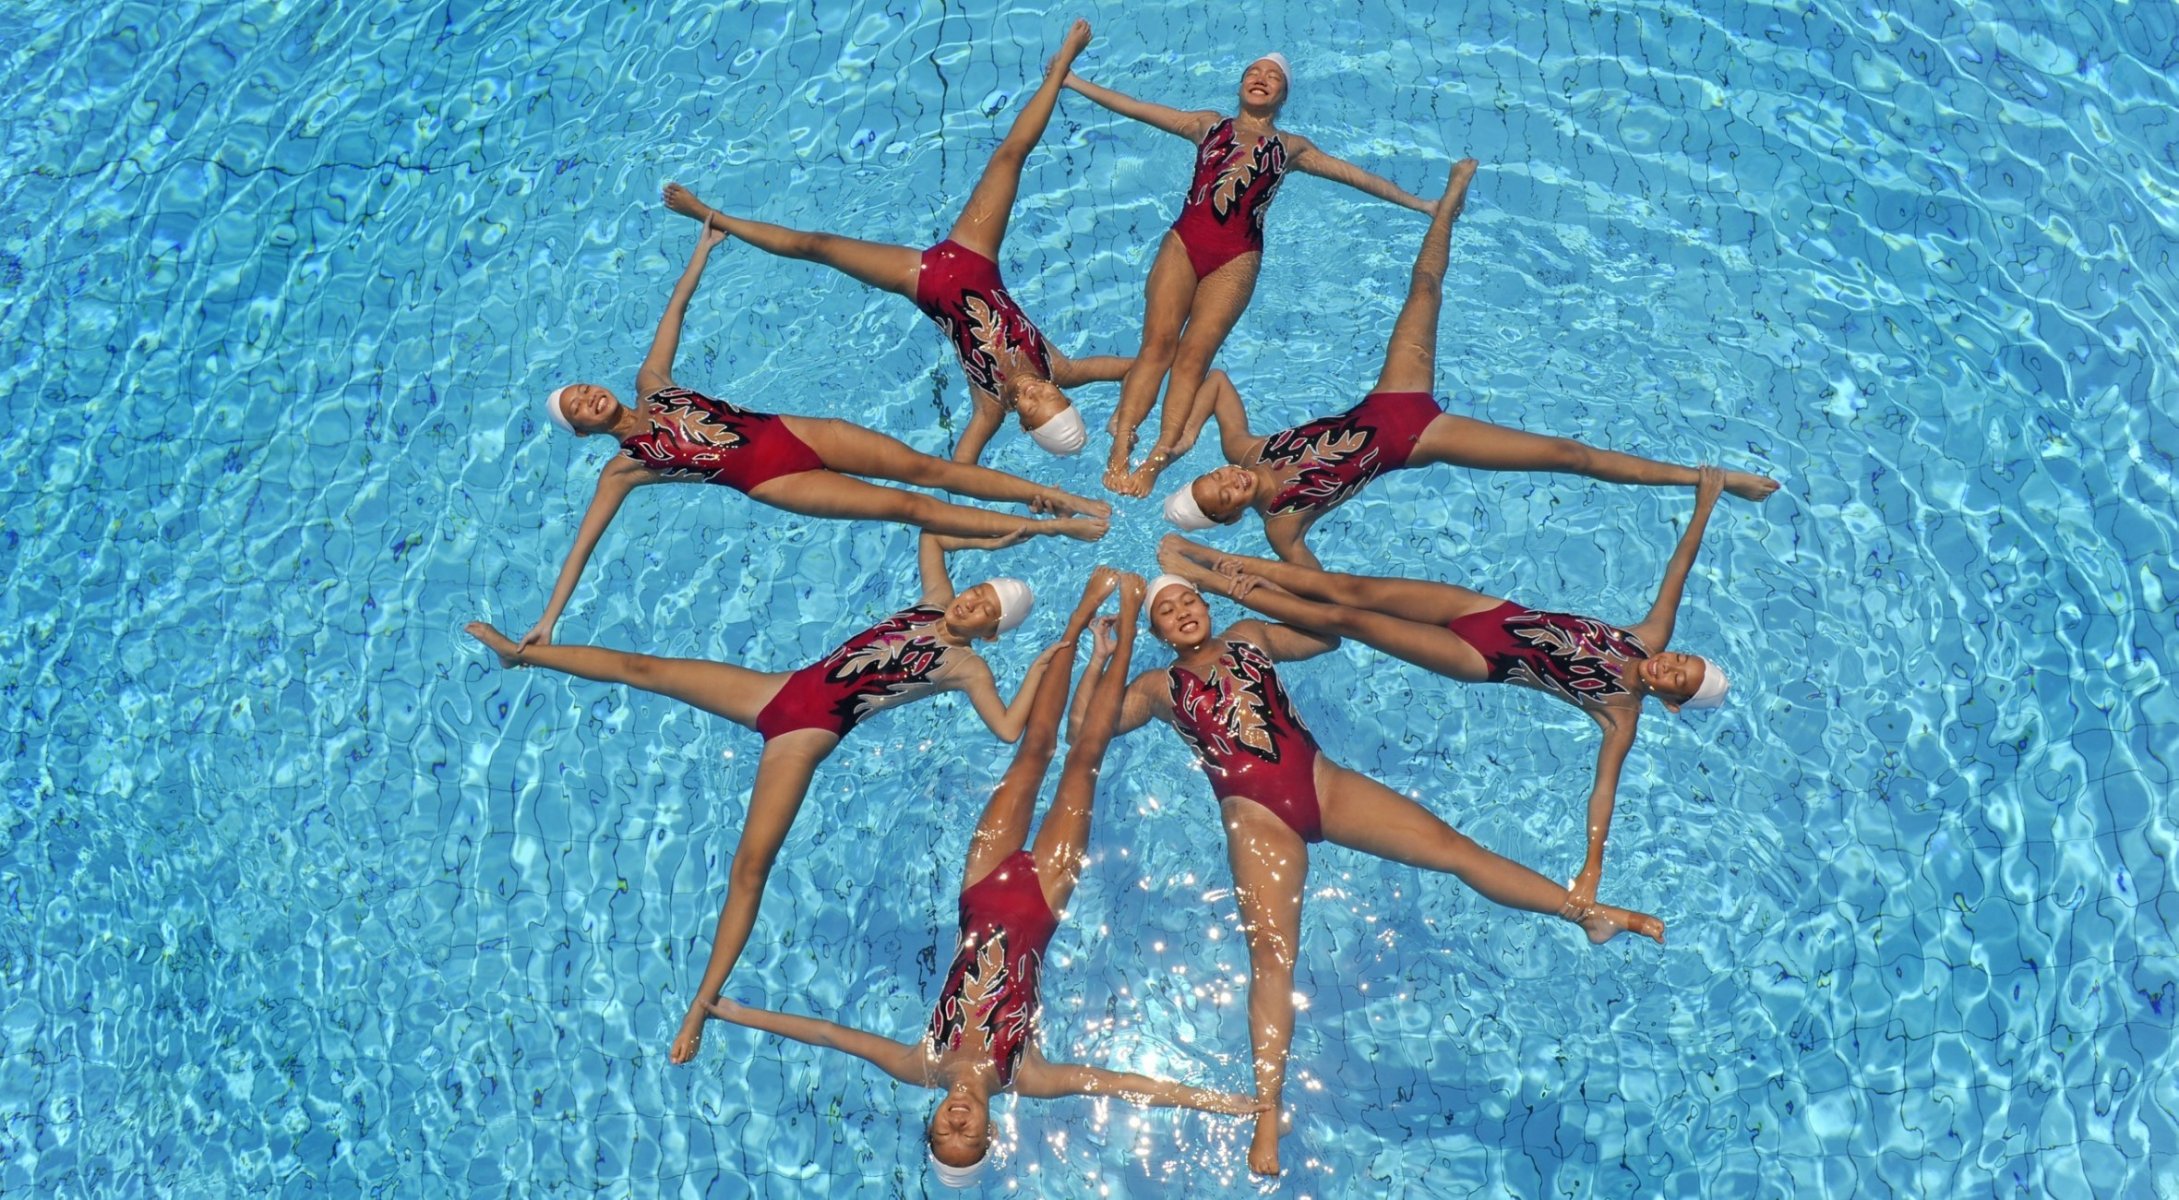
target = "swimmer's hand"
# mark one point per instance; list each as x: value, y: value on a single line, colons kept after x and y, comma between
x: 1234, y: 1104
x: 1709, y: 485
x: 1243, y: 584
x: 1105, y: 635
x: 713, y: 234
x: 540, y: 634
x: 1062, y: 63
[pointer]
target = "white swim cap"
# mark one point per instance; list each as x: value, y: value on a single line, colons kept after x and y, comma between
x: 1714, y: 686
x: 1182, y: 510
x: 1063, y: 434
x: 1162, y: 582
x: 1015, y: 601
x: 1280, y: 60
x: 959, y: 1177
x: 552, y: 409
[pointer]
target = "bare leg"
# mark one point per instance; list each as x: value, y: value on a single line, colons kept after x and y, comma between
x: 1432, y: 647
x: 853, y: 450
x: 831, y: 494
x: 1219, y: 301
x: 721, y: 689
x: 889, y: 268
x: 1167, y: 296
x: 783, y: 779
x: 981, y: 226
x: 1270, y: 866
x: 1363, y: 814
x: 1064, y: 836
x: 1411, y: 353
x: 1463, y: 442
x: 1419, y: 600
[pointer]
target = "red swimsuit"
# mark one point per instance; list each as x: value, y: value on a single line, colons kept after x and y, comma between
x: 694, y: 437
x: 1005, y: 926
x: 1224, y: 215
x: 1249, y: 738
x: 961, y: 290
x: 1579, y: 659
x: 1338, y: 455
x: 892, y: 662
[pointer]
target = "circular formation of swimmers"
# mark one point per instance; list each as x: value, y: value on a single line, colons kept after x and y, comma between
x: 1278, y: 792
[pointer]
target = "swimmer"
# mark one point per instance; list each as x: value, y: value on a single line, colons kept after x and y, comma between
x: 1600, y: 668
x: 1205, y: 270
x: 1295, y: 476
x: 982, y: 1034
x: 1278, y: 792
x: 802, y: 464
x: 802, y: 715
x: 1010, y: 365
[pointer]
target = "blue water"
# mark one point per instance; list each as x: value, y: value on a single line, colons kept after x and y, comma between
x: 303, y: 894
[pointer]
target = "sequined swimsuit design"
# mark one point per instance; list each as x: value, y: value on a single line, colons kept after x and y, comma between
x: 1233, y: 187
x: 695, y: 437
x: 1578, y: 659
x: 1251, y: 741
x: 1339, y: 455
x: 894, y: 661
x: 992, y: 985
x: 961, y: 290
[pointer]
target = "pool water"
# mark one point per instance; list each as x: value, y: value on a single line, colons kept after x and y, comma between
x: 304, y: 895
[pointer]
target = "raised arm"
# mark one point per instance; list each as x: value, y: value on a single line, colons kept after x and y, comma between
x: 905, y: 1061
x: 614, y: 483
x: 657, y: 369
x: 1006, y: 719
x: 1219, y: 398
x: 1316, y: 162
x: 1619, y: 726
x: 984, y: 419
x: 1656, y: 628
x: 1190, y: 125
x: 931, y: 550
x: 1046, y: 1080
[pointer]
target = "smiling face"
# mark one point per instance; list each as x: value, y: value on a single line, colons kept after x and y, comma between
x: 1037, y: 401
x: 1263, y: 85
x: 1179, y: 617
x: 1224, y: 493
x: 1671, y: 676
x: 974, y: 613
x: 960, y: 1128
x: 589, y: 408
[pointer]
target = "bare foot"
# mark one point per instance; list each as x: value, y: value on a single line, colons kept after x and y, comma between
x: 690, y: 1040
x: 1456, y: 187
x: 1078, y: 39
x: 1263, y: 1149
x: 1067, y: 504
x: 1602, y: 922
x: 500, y: 643
x: 1582, y: 889
x: 1082, y: 529
x: 1205, y: 580
x: 1750, y: 487
x: 681, y: 200
x: 1139, y: 481
x: 1195, y: 552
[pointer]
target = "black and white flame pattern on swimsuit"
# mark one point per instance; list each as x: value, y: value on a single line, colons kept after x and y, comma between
x: 1578, y: 659
x: 890, y: 662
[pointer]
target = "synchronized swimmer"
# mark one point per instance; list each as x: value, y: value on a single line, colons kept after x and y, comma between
x: 1277, y: 789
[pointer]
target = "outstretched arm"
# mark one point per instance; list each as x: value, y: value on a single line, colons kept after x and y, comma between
x: 1285, y: 534
x: 1310, y: 160
x: 1285, y: 642
x: 1007, y: 719
x: 1619, y: 726
x: 1219, y: 398
x: 614, y: 484
x: 984, y: 419
x: 657, y: 369
x: 930, y: 559
x: 904, y: 1061
x: 1190, y: 125
x: 1047, y: 1080
x: 1656, y: 628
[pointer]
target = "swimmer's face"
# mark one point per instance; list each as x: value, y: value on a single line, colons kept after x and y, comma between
x: 974, y: 613
x: 960, y: 1129
x: 1263, y: 85
x: 1671, y: 676
x: 1037, y: 401
x: 1224, y: 493
x: 589, y: 408
x: 1179, y: 617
